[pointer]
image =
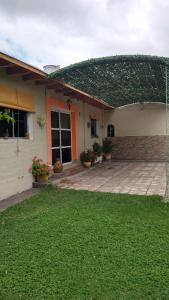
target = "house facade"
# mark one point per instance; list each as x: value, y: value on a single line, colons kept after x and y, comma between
x: 56, y: 120
x: 139, y: 131
x: 52, y: 120
x: 136, y: 86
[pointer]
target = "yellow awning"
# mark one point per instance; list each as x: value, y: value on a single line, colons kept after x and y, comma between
x: 12, y: 98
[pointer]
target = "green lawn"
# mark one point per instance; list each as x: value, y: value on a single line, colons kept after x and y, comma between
x: 65, y: 244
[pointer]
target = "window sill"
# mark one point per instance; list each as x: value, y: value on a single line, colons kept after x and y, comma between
x: 94, y: 136
x: 14, y: 138
x: 10, y: 139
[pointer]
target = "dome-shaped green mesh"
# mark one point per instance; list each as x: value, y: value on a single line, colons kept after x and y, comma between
x: 119, y: 80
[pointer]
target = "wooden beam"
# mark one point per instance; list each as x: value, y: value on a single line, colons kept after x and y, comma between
x: 19, y: 63
x: 19, y: 74
x: 5, y: 65
x: 70, y: 94
x: 31, y: 76
x: 16, y: 71
x: 55, y: 86
x: 59, y: 90
x: 43, y: 82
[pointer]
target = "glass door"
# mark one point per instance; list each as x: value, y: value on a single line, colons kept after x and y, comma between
x: 61, y: 137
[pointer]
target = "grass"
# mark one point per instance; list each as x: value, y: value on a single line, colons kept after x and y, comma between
x: 65, y: 244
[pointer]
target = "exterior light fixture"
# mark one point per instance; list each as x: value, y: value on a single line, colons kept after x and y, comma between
x: 88, y: 124
x: 69, y: 103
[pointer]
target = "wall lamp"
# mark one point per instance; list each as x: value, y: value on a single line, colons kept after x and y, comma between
x: 69, y: 103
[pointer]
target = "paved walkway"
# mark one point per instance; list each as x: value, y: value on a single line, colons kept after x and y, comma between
x: 142, y: 178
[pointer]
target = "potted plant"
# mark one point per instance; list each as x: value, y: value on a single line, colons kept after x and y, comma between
x: 40, y: 170
x: 6, y: 116
x: 107, y: 148
x: 58, y: 166
x: 97, y: 149
x: 86, y: 158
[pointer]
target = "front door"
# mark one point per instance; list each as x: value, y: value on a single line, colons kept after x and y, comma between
x: 61, y: 136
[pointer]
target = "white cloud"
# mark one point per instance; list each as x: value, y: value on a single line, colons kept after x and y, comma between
x: 64, y: 32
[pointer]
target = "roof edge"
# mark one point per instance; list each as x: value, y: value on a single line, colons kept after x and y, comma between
x: 22, y: 64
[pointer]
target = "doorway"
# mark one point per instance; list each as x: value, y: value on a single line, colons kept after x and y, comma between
x: 61, y: 136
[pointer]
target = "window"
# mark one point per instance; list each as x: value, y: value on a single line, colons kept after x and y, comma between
x: 17, y: 129
x: 110, y: 130
x: 61, y: 137
x: 93, y: 128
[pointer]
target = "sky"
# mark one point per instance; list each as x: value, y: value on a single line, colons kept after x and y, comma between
x: 64, y: 32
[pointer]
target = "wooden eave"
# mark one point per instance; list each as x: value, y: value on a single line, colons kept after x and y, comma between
x: 17, y: 68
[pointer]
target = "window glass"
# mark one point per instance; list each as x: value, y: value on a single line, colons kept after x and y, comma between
x: 20, y: 125
x: 17, y: 129
x: 65, y: 120
x: 66, y: 155
x: 54, y: 119
x: 66, y: 138
x: 55, y: 155
x: 110, y: 130
x: 93, y: 128
x: 5, y: 128
x: 61, y: 136
x: 55, y: 138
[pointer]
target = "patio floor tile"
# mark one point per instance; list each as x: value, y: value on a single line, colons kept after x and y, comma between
x: 121, y: 177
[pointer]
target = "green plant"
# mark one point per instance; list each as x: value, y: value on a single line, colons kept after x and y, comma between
x: 107, y: 146
x: 6, y: 116
x: 39, y: 167
x: 87, y: 156
x: 118, y: 243
x: 131, y: 68
x: 97, y: 148
x: 41, y: 121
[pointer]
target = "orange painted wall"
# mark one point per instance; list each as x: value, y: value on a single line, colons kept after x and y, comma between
x: 58, y: 104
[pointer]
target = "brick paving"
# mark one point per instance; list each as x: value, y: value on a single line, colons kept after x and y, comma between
x: 141, y: 178
x: 67, y: 172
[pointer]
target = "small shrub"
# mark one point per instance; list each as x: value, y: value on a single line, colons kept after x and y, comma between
x: 107, y: 146
x: 86, y: 156
x: 97, y: 148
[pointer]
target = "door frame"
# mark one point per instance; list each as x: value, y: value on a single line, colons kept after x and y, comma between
x: 58, y: 104
x: 54, y: 109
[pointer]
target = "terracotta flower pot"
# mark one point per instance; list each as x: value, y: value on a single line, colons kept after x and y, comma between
x: 87, y: 164
x: 108, y: 156
x: 58, y: 167
x: 42, y: 178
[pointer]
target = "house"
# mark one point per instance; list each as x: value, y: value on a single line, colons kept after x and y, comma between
x: 56, y: 115
x: 52, y: 119
x: 137, y: 87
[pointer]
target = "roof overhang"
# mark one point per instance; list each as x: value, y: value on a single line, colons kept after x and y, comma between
x: 17, y: 68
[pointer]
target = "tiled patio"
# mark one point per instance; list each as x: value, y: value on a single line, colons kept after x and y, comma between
x: 142, y: 178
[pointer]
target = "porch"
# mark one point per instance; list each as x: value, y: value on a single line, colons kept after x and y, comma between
x: 141, y: 178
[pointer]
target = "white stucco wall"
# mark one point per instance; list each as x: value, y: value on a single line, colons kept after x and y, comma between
x: 16, y: 154
x: 84, y: 113
x: 86, y: 141
x: 148, y: 119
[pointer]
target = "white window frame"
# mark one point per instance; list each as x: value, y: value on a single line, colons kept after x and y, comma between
x: 29, y: 121
x: 62, y: 129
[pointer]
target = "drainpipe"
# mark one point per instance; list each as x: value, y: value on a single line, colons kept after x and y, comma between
x: 84, y: 125
x: 166, y: 138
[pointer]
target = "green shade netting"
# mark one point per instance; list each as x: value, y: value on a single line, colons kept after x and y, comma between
x: 119, y: 80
